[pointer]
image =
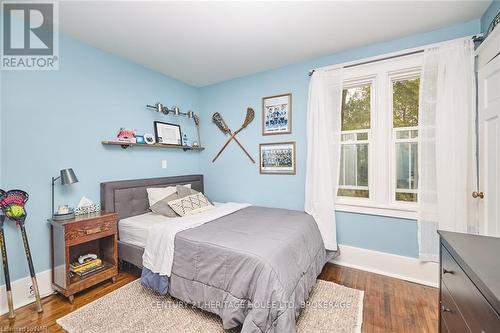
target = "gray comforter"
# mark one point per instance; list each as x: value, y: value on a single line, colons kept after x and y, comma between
x: 254, y: 267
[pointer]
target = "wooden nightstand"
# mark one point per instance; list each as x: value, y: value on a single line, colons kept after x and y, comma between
x: 94, y: 233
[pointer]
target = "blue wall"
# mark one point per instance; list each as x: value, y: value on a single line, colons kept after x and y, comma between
x: 490, y: 13
x: 233, y: 177
x: 56, y: 119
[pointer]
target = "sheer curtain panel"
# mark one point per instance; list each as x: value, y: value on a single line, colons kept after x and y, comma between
x: 323, y: 151
x: 447, y: 148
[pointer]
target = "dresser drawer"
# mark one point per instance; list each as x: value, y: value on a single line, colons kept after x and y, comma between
x: 475, y: 309
x: 451, y: 319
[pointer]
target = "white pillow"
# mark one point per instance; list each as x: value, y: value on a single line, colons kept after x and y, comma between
x: 156, y: 194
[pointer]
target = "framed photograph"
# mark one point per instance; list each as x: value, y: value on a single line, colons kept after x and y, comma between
x: 277, y: 114
x: 277, y: 158
x: 167, y: 134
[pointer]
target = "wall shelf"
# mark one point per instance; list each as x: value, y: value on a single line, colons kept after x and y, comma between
x: 126, y: 145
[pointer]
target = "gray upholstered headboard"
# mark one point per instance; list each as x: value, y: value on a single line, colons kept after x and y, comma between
x: 129, y: 197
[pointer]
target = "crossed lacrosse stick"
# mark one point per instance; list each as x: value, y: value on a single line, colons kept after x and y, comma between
x: 221, y: 124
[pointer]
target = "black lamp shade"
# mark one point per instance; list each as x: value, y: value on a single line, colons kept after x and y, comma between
x: 68, y: 177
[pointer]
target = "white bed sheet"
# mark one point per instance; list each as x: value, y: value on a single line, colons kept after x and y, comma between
x: 134, y: 230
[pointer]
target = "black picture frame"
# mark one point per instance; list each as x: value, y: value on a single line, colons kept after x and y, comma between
x: 160, y: 140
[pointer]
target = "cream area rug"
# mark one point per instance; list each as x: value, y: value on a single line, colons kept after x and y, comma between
x: 134, y: 308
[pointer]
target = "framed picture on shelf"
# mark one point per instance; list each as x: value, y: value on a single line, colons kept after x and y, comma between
x: 167, y: 134
x: 277, y: 114
x: 277, y: 158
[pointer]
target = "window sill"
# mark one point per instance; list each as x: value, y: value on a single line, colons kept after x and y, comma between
x: 397, y: 212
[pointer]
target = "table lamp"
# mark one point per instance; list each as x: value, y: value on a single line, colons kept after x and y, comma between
x: 67, y: 177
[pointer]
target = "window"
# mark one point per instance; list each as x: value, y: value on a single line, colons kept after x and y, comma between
x: 405, y: 133
x: 379, y: 138
x: 356, y: 106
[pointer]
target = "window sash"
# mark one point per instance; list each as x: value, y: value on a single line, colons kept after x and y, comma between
x: 344, y: 167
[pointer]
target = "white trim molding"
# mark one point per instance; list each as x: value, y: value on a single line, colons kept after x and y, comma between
x: 401, y: 213
x: 21, y: 290
x: 399, y: 267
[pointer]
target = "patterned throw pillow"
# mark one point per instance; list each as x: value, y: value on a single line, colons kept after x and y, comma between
x: 190, y: 205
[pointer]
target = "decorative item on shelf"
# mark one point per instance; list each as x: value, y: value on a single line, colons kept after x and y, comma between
x: 277, y: 158
x: 139, y: 139
x: 126, y: 135
x: 221, y: 124
x: 67, y: 177
x: 168, y: 134
x: 185, y: 141
x: 175, y: 110
x: 86, y: 206
x: 195, y: 144
x: 12, y: 205
x: 277, y: 114
x: 149, y: 139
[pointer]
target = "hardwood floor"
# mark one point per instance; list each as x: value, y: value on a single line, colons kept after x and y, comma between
x: 390, y: 305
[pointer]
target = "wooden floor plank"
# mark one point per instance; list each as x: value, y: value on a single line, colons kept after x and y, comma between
x: 390, y: 305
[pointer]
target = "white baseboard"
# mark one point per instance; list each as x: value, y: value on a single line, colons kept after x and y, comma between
x: 21, y: 290
x: 404, y: 268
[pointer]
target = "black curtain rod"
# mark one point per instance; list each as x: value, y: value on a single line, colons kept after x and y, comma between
x: 474, y: 38
x: 375, y: 60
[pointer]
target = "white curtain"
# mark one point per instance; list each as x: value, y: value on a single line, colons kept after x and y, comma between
x: 447, y: 146
x: 323, y: 151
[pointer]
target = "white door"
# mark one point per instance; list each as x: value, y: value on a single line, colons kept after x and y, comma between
x: 489, y: 147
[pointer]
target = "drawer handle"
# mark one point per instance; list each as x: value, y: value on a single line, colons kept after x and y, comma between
x: 445, y: 271
x: 93, y: 231
x: 444, y: 309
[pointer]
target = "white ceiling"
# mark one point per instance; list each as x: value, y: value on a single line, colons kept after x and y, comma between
x: 207, y: 42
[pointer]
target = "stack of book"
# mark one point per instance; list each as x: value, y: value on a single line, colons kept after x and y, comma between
x: 86, y: 268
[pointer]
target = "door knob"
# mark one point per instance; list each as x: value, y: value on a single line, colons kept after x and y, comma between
x: 479, y: 195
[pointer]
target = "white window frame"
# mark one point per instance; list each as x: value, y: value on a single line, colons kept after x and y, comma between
x: 381, y: 171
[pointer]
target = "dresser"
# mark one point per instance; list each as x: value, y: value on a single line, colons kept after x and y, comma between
x: 469, y: 299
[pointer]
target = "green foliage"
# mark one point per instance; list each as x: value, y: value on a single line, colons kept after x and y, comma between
x: 356, y: 108
x: 405, y: 103
x: 353, y: 193
x: 410, y: 197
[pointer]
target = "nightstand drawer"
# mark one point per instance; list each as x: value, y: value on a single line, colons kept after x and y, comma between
x: 477, y: 312
x: 90, y: 229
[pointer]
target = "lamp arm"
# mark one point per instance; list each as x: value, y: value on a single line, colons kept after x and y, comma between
x: 54, y: 179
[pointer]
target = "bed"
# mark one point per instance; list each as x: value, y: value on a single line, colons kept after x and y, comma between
x: 252, y: 266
